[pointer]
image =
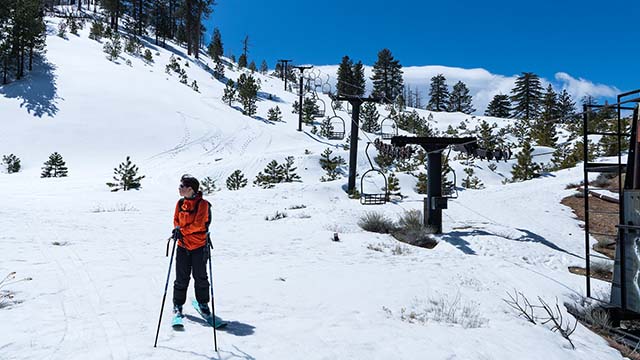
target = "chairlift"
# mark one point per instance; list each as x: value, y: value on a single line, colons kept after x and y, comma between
x: 321, y: 108
x: 373, y: 198
x: 337, y: 128
x: 388, y: 128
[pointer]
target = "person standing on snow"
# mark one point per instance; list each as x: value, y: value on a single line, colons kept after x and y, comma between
x: 191, y: 223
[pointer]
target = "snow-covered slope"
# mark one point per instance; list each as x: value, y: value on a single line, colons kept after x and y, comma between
x: 98, y: 262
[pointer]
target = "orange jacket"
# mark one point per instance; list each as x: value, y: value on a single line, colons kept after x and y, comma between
x: 193, y: 216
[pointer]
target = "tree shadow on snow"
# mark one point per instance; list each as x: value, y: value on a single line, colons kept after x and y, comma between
x: 456, y: 238
x: 37, y: 90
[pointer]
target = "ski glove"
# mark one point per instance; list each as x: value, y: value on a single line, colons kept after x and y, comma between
x: 176, y: 233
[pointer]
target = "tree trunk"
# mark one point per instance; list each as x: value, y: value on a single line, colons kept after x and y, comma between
x: 189, y: 26
x: 140, y: 18
x: 31, y: 58
x: 79, y: 5
x: 5, y: 70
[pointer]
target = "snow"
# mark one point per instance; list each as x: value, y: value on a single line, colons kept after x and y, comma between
x: 286, y: 289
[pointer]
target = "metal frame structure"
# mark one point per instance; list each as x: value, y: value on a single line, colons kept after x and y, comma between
x: 618, y: 306
x: 598, y: 167
x: 373, y: 199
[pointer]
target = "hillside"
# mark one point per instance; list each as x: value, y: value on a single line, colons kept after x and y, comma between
x: 98, y: 262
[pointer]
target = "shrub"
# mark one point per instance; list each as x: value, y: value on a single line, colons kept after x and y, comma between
x: 444, y: 310
x: 411, y: 230
x: 62, y: 29
x: 12, y: 163
x: 97, y: 31
x: 376, y: 222
x: 277, y: 216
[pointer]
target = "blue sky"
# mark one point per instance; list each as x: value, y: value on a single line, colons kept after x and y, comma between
x: 598, y: 41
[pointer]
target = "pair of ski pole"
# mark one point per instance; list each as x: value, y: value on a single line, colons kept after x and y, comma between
x: 166, y: 285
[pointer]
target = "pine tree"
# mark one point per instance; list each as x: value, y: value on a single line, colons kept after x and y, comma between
x: 288, y: 171
x: 525, y: 168
x: 54, y: 167
x: 422, y: 186
x: 448, y: 186
x: 272, y: 175
x: 264, y: 68
x: 309, y: 110
x: 369, y: 118
x: 242, y: 61
x: 384, y: 161
x: 148, y: 56
x: 564, y: 157
x: 22, y: 36
x: 471, y: 181
x: 387, y: 77
x: 486, y: 138
x: 253, y: 67
x: 346, y: 78
x: 359, y: 80
x: 393, y: 185
x: 527, y: 97
x: 97, y: 31
x: 236, y: 181
x: 500, y: 106
x: 330, y: 164
x: 113, y: 49
x: 274, y: 114
x: 566, y: 107
x: 12, y: 163
x: 215, y: 48
x: 218, y: 70
x: 460, y: 99
x: 126, y: 177
x: 248, y: 94
x: 544, y: 130
x: 208, y: 186
x: 229, y: 95
x: 439, y: 94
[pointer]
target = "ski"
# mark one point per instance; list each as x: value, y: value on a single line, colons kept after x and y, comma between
x: 208, y: 318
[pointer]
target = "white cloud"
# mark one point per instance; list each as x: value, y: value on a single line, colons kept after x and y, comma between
x: 482, y: 84
x: 581, y: 87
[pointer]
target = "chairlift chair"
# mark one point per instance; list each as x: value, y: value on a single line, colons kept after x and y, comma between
x: 322, y: 108
x: 388, y: 128
x: 326, y: 88
x: 337, y: 126
x: 373, y: 198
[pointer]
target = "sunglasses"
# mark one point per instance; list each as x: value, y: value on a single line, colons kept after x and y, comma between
x: 182, y: 186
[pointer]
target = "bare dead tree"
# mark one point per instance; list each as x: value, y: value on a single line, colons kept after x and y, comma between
x: 521, y: 305
x: 554, y: 316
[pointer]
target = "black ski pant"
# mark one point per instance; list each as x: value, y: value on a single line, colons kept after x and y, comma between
x: 188, y: 262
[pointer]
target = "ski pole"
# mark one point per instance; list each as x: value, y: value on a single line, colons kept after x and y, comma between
x: 166, y: 285
x: 213, y: 307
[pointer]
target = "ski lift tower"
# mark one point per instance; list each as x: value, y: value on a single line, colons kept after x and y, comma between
x: 624, y: 303
x: 434, y: 203
x: 355, y: 102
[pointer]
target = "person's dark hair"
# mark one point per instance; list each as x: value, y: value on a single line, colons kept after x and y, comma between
x: 189, y: 181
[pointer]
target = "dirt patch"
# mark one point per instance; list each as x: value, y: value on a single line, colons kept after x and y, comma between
x: 599, y: 223
x: 604, y: 276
